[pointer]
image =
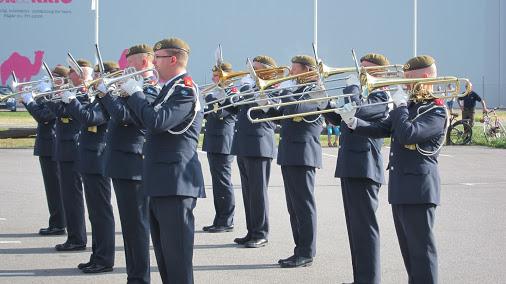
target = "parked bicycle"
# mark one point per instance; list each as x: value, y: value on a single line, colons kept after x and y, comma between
x: 493, y: 128
x: 459, y: 132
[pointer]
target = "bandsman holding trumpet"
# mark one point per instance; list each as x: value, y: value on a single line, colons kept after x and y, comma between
x: 254, y: 146
x: 66, y: 136
x: 123, y: 163
x: 172, y: 174
x: 44, y: 146
x: 360, y: 169
x: 217, y: 143
x: 299, y: 155
x: 417, y: 127
x: 97, y: 188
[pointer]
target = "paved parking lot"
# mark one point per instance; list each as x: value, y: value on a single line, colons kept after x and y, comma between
x: 470, y: 229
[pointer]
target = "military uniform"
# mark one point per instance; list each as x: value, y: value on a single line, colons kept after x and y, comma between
x: 123, y: 163
x: 360, y: 169
x: 254, y: 146
x: 97, y: 187
x: 65, y: 154
x: 44, y: 144
x: 217, y: 143
x: 299, y: 155
x: 417, y: 132
x: 172, y: 174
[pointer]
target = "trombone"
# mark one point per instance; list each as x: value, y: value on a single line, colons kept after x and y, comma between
x: 417, y: 93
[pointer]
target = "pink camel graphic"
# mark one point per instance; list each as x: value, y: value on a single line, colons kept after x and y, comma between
x: 122, y: 62
x: 22, y: 66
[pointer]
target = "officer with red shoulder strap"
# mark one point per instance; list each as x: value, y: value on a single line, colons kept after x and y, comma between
x: 417, y: 129
x: 172, y: 174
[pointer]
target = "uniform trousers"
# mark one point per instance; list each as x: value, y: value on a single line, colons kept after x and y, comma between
x: 53, y: 194
x: 71, y: 189
x: 255, y: 173
x: 172, y: 231
x: 223, y: 190
x: 360, y: 199
x: 134, y: 216
x: 97, y: 190
x: 299, y: 192
x: 414, y: 224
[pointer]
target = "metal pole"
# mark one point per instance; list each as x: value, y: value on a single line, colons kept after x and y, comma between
x: 415, y: 27
x: 96, y: 24
x: 315, y: 25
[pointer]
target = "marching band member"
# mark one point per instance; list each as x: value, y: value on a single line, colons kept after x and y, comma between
x: 217, y: 143
x: 123, y: 163
x: 66, y: 136
x: 417, y: 130
x: 299, y: 155
x: 254, y: 146
x: 44, y: 144
x: 97, y: 187
x: 360, y: 169
x: 172, y: 174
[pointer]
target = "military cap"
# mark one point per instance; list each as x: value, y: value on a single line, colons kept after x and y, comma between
x: 140, y: 48
x: 109, y: 66
x: 264, y: 59
x: 375, y: 58
x: 419, y: 62
x: 172, y: 43
x: 305, y: 60
x: 225, y: 66
x: 83, y: 63
x: 60, y: 71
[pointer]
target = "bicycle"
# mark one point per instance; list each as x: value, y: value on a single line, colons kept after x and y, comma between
x: 493, y: 128
x: 459, y: 132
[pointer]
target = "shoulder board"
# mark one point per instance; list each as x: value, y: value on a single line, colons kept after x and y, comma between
x: 184, y: 89
x: 232, y: 90
x: 151, y: 90
x: 439, y: 102
x: 188, y: 82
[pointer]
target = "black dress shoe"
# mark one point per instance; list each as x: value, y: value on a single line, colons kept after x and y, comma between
x: 221, y: 229
x: 242, y: 241
x: 298, y: 261
x: 256, y: 243
x: 69, y: 247
x: 97, y: 268
x: 83, y: 265
x: 52, y: 231
x: 286, y: 259
x: 206, y: 228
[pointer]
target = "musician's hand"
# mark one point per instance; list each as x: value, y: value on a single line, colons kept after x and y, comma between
x: 347, y: 113
x: 131, y: 86
x: 27, y: 97
x: 247, y: 80
x: 352, y: 80
x: 67, y: 97
x: 400, y: 97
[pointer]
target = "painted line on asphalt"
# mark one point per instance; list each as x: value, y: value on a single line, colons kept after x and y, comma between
x: 10, y: 242
x: 329, y: 155
x: 17, y: 273
x: 3, y: 219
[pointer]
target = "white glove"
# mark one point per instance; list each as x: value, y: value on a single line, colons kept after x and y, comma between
x: 347, y: 113
x: 27, y: 97
x: 67, y: 97
x: 287, y: 85
x: 352, y: 80
x: 400, y: 97
x: 44, y: 86
x: 132, y: 86
x: 247, y: 80
x: 103, y: 88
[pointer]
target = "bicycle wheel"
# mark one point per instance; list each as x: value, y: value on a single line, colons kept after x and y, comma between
x: 488, y: 130
x: 460, y: 133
